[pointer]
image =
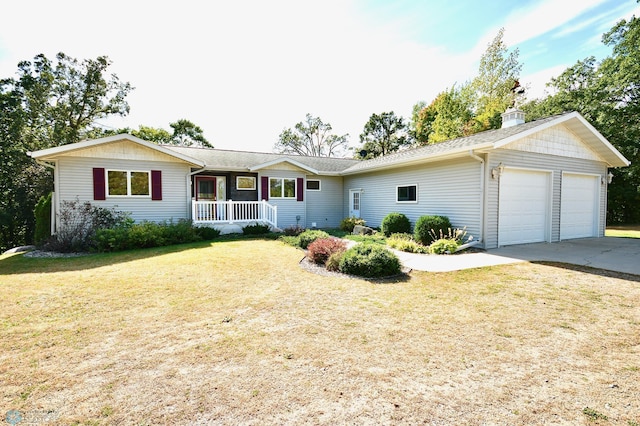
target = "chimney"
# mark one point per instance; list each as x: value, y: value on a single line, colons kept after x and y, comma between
x: 512, y: 117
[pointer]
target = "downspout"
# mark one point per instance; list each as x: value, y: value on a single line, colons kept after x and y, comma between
x: 482, y: 194
x: 188, y: 181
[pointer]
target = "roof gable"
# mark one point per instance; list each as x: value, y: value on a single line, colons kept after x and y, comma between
x: 118, y: 146
x: 286, y: 162
x: 573, y: 123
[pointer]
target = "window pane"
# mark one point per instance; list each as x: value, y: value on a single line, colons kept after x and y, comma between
x: 275, y: 188
x: 290, y: 188
x: 139, y: 183
x: 407, y: 193
x: 117, y: 182
x: 313, y: 185
x: 246, y: 182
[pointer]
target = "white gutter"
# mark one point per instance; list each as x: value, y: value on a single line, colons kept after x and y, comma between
x: 482, y: 194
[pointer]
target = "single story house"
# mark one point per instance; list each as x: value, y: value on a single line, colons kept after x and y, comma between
x: 544, y: 180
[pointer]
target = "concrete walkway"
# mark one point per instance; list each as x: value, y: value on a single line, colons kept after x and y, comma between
x: 610, y: 253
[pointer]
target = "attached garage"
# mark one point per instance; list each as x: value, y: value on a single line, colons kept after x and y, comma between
x: 524, y: 206
x: 580, y: 195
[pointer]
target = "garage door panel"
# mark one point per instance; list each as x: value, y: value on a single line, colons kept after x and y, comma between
x: 523, y: 207
x: 579, y: 206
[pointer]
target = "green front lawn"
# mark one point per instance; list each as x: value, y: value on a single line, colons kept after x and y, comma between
x: 628, y: 231
x: 235, y: 332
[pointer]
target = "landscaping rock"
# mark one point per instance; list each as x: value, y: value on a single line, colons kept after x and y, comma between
x: 362, y: 230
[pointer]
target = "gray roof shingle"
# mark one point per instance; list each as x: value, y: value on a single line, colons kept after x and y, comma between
x: 242, y: 160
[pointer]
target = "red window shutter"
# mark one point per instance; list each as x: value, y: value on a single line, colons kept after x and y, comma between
x: 99, y: 189
x: 156, y: 185
x: 300, y: 189
x: 264, y: 184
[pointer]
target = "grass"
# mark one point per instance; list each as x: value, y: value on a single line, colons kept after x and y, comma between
x: 236, y: 332
x: 627, y: 231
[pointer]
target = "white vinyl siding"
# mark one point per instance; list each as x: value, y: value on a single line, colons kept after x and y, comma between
x: 451, y: 188
x: 325, y: 207
x: 556, y: 164
x: 288, y: 208
x: 75, y: 179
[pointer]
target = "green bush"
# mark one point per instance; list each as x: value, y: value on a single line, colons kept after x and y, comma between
x: 405, y: 242
x: 333, y: 263
x: 307, y: 237
x: 443, y: 245
x: 293, y: 231
x: 395, y: 223
x: 78, y: 223
x: 348, y: 223
x: 256, y: 229
x: 42, y: 214
x: 292, y: 240
x: 321, y: 249
x: 148, y: 234
x: 369, y: 260
x: 207, y: 233
x: 427, y: 226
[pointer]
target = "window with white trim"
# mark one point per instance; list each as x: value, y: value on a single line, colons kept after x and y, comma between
x: 282, y: 188
x: 127, y: 183
x: 313, y: 184
x: 246, y: 183
x: 407, y: 194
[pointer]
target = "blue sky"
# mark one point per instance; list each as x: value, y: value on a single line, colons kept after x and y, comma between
x: 244, y: 71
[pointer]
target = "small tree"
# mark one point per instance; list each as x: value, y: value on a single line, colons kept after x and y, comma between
x: 311, y: 137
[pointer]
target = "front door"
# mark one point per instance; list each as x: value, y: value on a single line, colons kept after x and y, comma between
x: 205, y: 188
x: 354, y: 202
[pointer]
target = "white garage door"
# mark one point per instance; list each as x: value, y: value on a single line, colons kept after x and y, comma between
x: 579, y: 206
x: 523, y: 215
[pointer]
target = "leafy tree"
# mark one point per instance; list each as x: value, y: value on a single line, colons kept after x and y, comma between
x: 498, y: 72
x: 607, y: 94
x: 48, y: 104
x: 311, y: 137
x: 452, y: 116
x: 472, y: 107
x: 185, y: 133
x: 383, y: 134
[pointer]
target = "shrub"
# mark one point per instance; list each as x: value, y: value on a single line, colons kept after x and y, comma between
x: 293, y: 231
x: 443, y: 245
x: 395, y: 223
x: 42, y: 214
x: 148, y: 234
x: 348, y: 223
x: 333, y: 263
x: 321, y: 249
x: 292, y: 240
x: 369, y: 260
x: 78, y: 223
x: 307, y: 237
x: 427, y: 226
x: 405, y: 242
x: 207, y: 233
x: 256, y: 229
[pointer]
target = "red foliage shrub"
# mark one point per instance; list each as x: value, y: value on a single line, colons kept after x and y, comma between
x: 320, y: 250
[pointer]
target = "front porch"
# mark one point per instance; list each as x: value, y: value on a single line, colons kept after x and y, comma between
x: 221, y: 214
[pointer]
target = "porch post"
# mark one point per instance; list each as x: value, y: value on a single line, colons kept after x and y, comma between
x: 230, y: 211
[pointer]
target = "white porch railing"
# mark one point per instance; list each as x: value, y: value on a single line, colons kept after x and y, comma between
x: 222, y: 212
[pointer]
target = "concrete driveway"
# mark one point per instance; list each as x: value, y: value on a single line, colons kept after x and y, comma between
x: 611, y: 253
x: 614, y: 254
